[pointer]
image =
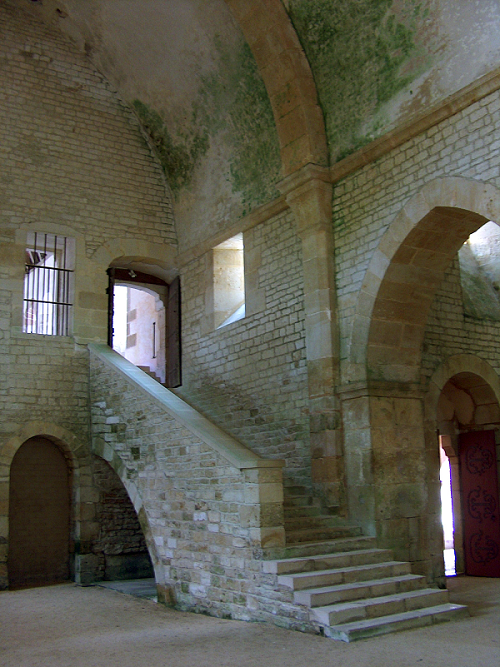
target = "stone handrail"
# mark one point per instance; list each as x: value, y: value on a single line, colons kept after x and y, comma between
x: 231, y: 449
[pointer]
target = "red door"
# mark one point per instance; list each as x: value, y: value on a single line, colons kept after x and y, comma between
x: 479, y: 482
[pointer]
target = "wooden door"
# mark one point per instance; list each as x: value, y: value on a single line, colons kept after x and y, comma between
x: 39, y: 515
x: 174, y: 334
x: 479, y: 488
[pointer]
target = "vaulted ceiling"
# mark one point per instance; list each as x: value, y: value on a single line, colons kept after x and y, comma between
x: 236, y: 94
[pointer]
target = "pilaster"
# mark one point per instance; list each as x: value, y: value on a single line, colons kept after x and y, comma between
x: 308, y: 192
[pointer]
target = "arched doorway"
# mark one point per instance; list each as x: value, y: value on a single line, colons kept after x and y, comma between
x: 39, y: 515
x: 468, y: 418
x: 144, y: 322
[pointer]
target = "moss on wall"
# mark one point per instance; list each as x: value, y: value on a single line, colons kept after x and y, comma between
x: 362, y: 53
x: 178, y: 157
x: 234, y: 100
x: 232, y: 111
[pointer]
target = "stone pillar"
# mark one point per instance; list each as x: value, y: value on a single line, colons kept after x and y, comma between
x: 392, y: 472
x: 309, y: 195
x: 358, y: 458
x: 262, y: 512
x: 406, y: 479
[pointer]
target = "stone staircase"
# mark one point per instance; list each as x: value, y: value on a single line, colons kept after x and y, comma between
x: 352, y: 589
x: 152, y: 374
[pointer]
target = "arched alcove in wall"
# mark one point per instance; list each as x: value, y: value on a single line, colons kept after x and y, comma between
x: 407, y: 290
x: 40, y: 517
x: 120, y: 544
x: 394, y: 480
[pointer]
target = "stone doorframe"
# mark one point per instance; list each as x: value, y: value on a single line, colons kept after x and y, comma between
x: 83, y: 526
x: 454, y: 365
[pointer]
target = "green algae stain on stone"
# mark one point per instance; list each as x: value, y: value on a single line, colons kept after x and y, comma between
x: 234, y: 104
x: 362, y: 53
x: 232, y: 112
x: 178, y: 157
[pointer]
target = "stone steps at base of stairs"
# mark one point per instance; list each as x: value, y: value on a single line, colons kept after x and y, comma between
x: 361, y: 610
x: 308, y: 522
x: 326, y: 595
x: 293, y: 511
x: 344, y: 575
x: 321, y: 534
x: 418, y: 618
x: 301, y: 501
x: 306, y: 549
x: 327, y: 561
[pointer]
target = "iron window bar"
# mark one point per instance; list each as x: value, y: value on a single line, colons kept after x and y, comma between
x: 47, y: 285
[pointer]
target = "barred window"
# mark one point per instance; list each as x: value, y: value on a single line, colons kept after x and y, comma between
x: 48, y: 284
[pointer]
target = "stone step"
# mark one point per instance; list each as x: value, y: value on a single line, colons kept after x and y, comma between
x: 344, y: 575
x: 294, y: 490
x: 321, y: 534
x: 301, y: 501
x: 348, y: 612
x: 307, y: 549
x: 327, y: 595
x: 292, y: 511
x: 327, y: 561
x: 308, y: 522
x: 418, y: 618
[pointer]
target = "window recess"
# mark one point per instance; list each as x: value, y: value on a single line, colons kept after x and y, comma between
x: 48, y: 284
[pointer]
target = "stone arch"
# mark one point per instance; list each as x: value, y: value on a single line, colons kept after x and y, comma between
x: 107, y: 453
x: 288, y: 80
x: 78, y: 461
x: 405, y: 271
x: 156, y: 259
x: 454, y: 365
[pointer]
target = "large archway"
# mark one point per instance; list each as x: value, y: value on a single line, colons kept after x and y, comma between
x: 392, y: 458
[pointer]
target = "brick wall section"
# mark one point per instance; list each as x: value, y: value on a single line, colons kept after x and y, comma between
x: 450, y: 332
x: 366, y: 202
x: 250, y: 377
x: 45, y: 378
x: 72, y: 152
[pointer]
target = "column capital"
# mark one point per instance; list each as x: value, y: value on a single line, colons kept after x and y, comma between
x: 308, y: 192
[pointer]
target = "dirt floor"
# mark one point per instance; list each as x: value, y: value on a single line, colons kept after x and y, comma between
x: 67, y: 625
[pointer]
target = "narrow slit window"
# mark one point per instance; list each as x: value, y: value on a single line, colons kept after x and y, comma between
x: 48, y: 284
x: 229, y: 281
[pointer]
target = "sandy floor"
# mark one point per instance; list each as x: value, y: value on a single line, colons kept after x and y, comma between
x: 63, y: 626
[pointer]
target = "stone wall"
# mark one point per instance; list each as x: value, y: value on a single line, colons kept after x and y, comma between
x: 449, y: 331
x: 250, y: 377
x: 72, y: 152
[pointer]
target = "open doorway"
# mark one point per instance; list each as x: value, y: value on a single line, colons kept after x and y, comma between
x: 144, y: 322
x: 469, y: 419
x: 447, y: 517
